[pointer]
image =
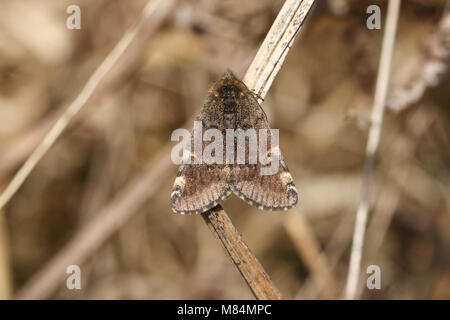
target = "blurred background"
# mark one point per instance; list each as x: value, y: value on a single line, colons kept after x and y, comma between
x: 320, y: 101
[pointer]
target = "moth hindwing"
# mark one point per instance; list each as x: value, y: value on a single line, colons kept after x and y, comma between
x: 232, y: 114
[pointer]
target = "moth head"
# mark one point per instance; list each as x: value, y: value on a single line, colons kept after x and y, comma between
x: 228, y: 91
x: 228, y: 86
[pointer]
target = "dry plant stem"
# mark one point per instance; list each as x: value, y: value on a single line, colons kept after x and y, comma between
x: 276, y: 45
x: 115, y: 214
x: 17, y: 151
x: 308, y: 248
x: 432, y: 67
x: 91, y: 237
x: 5, y: 263
x: 334, y: 249
x: 259, y: 78
x: 372, y: 146
x: 156, y: 10
x: 244, y: 260
x: 389, y: 198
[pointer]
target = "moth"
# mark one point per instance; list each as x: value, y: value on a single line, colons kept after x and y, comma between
x: 201, y: 186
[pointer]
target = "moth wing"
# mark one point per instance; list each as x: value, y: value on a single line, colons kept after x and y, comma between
x: 199, y: 187
x: 268, y: 192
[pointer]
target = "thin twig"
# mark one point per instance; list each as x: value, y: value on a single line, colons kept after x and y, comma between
x: 115, y: 214
x: 389, y: 198
x: 259, y: 78
x: 244, y: 260
x: 155, y: 11
x: 276, y: 45
x: 5, y: 262
x: 106, y: 222
x: 334, y: 249
x: 19, y: 148
x: 308, y: 248
x: 432, y: 67
x: 372, y: 146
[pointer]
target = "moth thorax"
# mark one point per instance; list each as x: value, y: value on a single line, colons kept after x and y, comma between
x: 229, y: 105
x: 229, y: 120
x: 229, y: 111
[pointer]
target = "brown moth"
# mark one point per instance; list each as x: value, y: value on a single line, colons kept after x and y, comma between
x: 200, y: 186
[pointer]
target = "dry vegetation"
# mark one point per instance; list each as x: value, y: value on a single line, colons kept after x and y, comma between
x: 320, y: 101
